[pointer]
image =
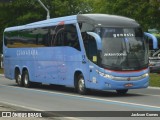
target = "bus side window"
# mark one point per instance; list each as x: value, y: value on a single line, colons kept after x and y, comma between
x: 33, y: 37
x: 71, y: 37
x: 59, y: 39
x: 27, y: 38
x: 6, y: 38
x: 57, y: 35
x: 12, y: 38
x: 46, y: 39
x: 52, y: 35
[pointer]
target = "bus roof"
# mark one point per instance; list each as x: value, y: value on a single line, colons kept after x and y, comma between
x: 44, y: 23
x: 96, y: 19
x: 108, y: 20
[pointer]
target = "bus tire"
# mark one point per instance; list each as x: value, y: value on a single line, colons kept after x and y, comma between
x: 81, y: 85
x: 26, y: 80
x: 122, y: 92
x: 18, y: 78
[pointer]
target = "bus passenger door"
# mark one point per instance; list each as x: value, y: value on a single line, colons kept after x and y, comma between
x: 92, y: 54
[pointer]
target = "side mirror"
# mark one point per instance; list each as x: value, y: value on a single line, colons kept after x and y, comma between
x: 153, y: 38
x: 97, y: 38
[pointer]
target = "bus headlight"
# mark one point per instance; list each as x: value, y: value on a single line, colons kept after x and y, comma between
x: 108, y: 76
x: 105, y: 75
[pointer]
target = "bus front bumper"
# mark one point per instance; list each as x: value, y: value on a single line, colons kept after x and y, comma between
x: 115, y: 85
x: 111, y: 84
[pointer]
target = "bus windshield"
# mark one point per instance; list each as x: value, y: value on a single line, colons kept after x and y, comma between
x: 123, y: 49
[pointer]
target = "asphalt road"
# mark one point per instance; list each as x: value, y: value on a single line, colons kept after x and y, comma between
x: 57, y: 98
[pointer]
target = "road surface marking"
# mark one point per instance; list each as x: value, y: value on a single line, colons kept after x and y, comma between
x: 34, y: 109
x: 128, y: 104
x: 147, y: 94
x: 25, y: 107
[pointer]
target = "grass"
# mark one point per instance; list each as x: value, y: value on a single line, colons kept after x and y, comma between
x: 154, y: 79
x: 1, y: 71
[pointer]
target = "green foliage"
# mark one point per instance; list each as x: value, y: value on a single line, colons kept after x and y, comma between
x: 154, y: 80
x: 19, y: 12
x: 146, y: 12
x: 70, y: 7
x: 1, y: 71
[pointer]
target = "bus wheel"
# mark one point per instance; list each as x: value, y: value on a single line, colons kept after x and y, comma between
x: 26, y: 80
x: 81, y: 85
x: 19, y: 79
x: 122, y: 92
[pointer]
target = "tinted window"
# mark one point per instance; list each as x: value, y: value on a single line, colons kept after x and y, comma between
x: 27, y: 38
x: 90, y: 46
x: 85, y: 27
x: 123, y: 49
x: 65, y: 35
x: 60, y: 35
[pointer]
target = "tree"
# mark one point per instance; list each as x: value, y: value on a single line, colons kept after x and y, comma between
x: 147, y: 12
x: 19, y: 12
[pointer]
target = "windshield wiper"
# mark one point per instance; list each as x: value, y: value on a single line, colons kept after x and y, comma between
x: 113, y: 67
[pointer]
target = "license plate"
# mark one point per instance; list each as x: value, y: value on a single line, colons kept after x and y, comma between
x: 128, y: 85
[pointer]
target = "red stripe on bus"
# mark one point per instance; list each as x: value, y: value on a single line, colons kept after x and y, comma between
x: 129, y: 71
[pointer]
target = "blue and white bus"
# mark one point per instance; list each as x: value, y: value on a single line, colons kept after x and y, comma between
x: 154, y: 52
x: 87, y: 51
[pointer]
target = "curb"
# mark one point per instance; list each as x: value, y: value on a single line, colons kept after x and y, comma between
x: 2, y: 75
x: 154, y: 87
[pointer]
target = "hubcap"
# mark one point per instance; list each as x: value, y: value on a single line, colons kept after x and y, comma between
x: 81, y: 84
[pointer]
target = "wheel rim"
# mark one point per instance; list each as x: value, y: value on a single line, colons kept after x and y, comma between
x: 26, y: 79
x: 81, y: 84
x: 19, y: 78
